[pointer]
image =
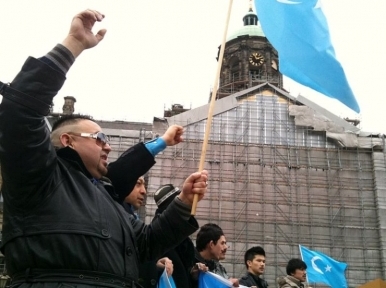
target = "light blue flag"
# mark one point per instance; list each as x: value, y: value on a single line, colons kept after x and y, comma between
x: 299, y: 32
x: 166, y: 281
x: 323, y: 269
x: 211, y: 280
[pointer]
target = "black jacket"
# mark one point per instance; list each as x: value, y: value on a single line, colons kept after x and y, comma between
x: 182, y: 257
x: 253, y: 280
x: 183, y: 261
x: 213, y: 266
x: 56, y: 216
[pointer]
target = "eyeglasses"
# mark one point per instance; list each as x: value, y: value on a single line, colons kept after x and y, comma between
x: 100, y: 137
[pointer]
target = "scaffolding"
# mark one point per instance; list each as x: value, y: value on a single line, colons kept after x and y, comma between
x: 277, y: 184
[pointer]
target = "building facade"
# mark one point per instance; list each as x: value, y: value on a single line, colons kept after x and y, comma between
x: 284, y: 174
x: 283, y: 170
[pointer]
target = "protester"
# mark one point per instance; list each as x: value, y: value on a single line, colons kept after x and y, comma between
x: 182, y: 256
x: 136, y: 198
x: 131, y: 204
x: 211, y: 247
x: 254, y: 259
x: 296, y: 275
x: 63, y: 225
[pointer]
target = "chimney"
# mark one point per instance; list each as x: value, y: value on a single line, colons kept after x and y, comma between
x: 68, y: 106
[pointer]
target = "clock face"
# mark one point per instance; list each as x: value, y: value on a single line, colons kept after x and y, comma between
x: 256, y: 59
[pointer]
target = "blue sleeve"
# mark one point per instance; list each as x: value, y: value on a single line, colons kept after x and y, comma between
x: 155, y: 146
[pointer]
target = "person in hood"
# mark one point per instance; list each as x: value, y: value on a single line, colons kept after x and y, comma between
x: 132, y: 203
x: 136, y: 198
x: 296, y: 275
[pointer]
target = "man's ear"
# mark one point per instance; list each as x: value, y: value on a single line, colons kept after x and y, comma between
x: 211, y: 244
x: 66, y: 140
x: 249, y: 262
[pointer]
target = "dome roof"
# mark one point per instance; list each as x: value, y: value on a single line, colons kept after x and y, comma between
x: 251, y: 30
x: 250, y: 27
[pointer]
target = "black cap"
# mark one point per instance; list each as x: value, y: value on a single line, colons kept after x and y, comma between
x: 165, y: 195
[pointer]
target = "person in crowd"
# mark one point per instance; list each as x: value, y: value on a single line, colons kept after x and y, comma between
x: 63, y: 223
x: 182, y: 256
x: 136, y: 198
x: 211, y: 247
x: 296, y: 275
x: 131, y: 204
x: 254, y: 259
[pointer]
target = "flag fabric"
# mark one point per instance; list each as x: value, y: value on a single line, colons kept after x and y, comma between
x: 323, y: 269
x: 211, y: 280
x: 299, y: 32
x: 166, y: 281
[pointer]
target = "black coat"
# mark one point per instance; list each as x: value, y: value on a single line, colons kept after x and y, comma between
x: 253, y: 280
x: 182, y: 257
x: 56, y: 216
x: 213, y: 266
x: 183, y: 261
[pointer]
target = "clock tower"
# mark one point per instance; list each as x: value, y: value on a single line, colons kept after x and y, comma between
x: 249, y: 59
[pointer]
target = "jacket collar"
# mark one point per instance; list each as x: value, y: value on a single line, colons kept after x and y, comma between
x: 255, y: 277
x: 71, y: 156
x: 210, y: 263
x: 130, y: 209
x: 294, y: 280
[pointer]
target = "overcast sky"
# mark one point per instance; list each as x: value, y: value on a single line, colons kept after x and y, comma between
x: 161, y: 52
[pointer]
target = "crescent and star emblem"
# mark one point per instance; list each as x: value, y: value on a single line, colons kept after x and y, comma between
x: 316, y: 268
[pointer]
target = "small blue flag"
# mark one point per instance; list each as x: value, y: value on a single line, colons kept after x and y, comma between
x: 166, y: 281
x: 324, y: 269
x: 211, y: 280
x: 299, y: 32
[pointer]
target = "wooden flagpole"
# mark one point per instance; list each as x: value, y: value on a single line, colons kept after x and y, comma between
x: 211, y: 105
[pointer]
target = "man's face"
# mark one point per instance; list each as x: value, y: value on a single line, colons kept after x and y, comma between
x: 93, y: 153
x: 219, y: 249
x: 257, y: 265
x: 300, y: 274
x: 137, y: 196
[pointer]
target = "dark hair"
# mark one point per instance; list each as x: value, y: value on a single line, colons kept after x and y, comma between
x: 294, y: 264
x: 251, y: 253
x: 208, y: 232
x: 70, y: 119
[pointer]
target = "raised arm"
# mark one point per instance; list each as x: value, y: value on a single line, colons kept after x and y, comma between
x: 162, y: 233
x: 137, y: 160
x: 26, y: 153
x: 81, y: 36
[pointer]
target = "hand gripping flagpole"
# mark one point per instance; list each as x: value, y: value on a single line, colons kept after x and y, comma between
x: 211, y: 105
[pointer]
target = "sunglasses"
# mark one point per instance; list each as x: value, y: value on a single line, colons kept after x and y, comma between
x: 100, y: 137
